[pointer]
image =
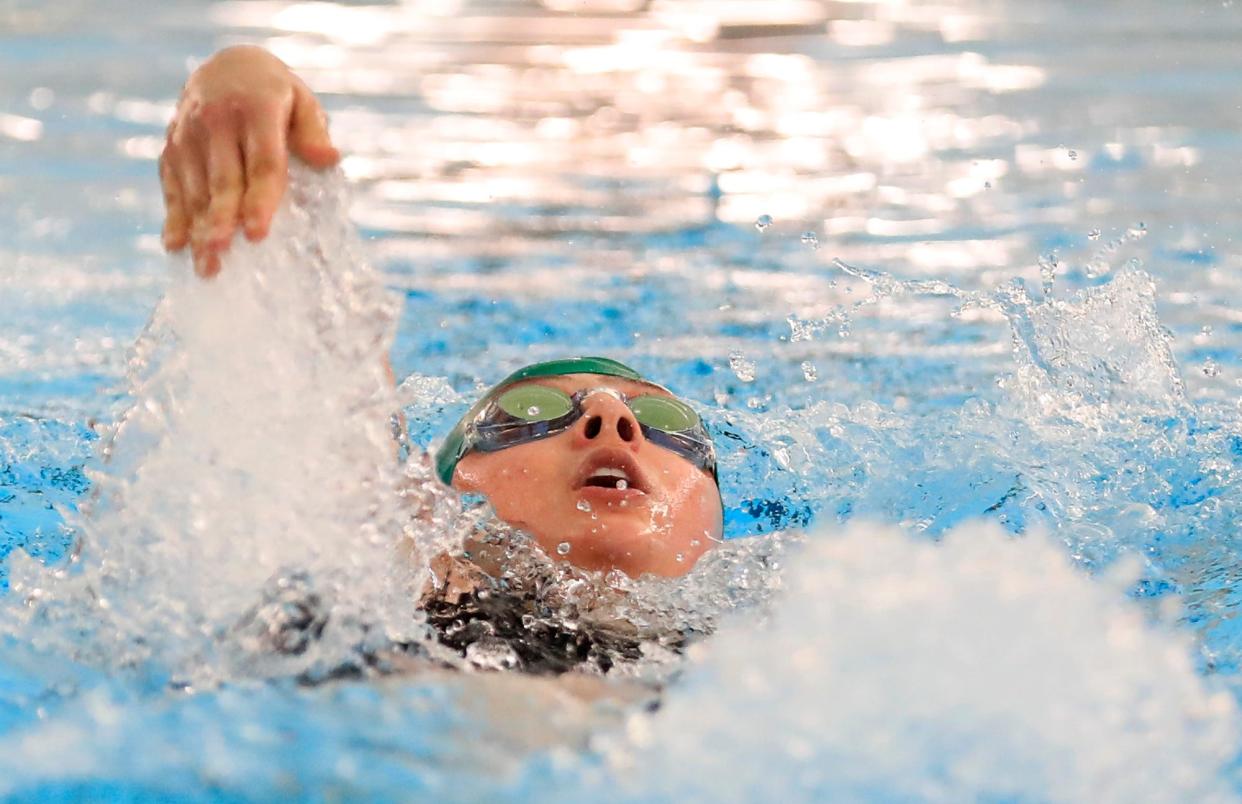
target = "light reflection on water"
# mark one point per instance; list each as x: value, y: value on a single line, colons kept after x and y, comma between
x: 926, y: 140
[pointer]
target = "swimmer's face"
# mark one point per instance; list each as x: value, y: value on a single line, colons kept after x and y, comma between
x: 561, y: 489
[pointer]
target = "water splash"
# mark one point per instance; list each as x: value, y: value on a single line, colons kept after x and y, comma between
x: 1101, y: 347
x: 879, y: 667
x: 742, y: 367
x: 1092, y: 436
x: 980, y: 667
x: 258, y: 454
x: 1099, y: 264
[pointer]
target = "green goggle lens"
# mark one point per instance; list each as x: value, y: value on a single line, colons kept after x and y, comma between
x: 540, y: 403
x: 535, y: 403
x: 664, y: 413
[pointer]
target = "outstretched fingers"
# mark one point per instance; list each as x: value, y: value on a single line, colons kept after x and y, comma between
x: 176, y: 235
x: 300, y: 128
x: 191, y: 174
x: 224, y: 181
x: 266, y: 167
x: 309, y: 139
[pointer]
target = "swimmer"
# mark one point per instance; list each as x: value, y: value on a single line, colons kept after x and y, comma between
x: 602, y: 467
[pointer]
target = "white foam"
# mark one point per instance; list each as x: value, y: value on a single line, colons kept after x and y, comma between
x: 901, y: 669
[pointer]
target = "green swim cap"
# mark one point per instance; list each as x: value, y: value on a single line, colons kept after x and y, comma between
x: 454, y: 446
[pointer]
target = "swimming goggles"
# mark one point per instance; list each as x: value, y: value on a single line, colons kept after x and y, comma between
x: 532, y: 412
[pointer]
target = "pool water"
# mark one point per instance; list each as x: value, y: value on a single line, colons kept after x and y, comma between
x: 954, y: 284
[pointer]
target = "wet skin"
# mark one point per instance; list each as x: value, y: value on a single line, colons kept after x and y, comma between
x: 666, y: 517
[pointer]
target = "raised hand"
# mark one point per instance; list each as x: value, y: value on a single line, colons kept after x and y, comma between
x: 225, y: 162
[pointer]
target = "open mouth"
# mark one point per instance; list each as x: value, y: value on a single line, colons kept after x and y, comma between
x: 609, y: 478
x: 612, y: 469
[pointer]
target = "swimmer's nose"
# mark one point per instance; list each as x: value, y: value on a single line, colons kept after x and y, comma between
x: 607, y: 419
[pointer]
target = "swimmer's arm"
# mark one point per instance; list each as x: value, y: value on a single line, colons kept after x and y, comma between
x: 225, y: 161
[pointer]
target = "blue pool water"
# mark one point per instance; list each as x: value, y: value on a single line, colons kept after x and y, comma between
x: 939, y: 276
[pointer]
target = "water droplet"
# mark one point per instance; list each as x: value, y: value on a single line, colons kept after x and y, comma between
x: 1048, y: 271
x: 1206, y: 331
x: 1137, y: 232
x: 763, y: 222
x: 491, y: 653
x: 533, y: 410
x: 1094, y: 234
x: 583, y: 505
x: 1073, y: 155
x: 679, y: 558
x: 562, y: 549
x: 809, y: 239
x: 743, y: 368
x: 695, y: 542
x: 809, y: 372
x: 1210, y: 368
x: 622, y: 485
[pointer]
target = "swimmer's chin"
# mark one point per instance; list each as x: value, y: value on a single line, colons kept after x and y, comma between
x: 628, y: 549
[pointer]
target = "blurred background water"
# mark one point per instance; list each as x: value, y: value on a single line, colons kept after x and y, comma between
x: 806, y: 215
